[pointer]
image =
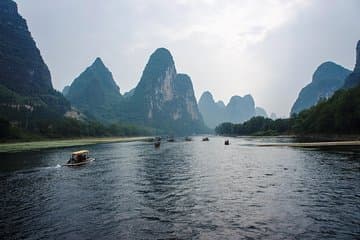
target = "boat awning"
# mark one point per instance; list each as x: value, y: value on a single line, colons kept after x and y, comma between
x: 80, y: 152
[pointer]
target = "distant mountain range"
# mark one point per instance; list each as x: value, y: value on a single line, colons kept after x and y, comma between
x: 163, y: 99
x: 339, y: 114
x: 336, y: 115
x: 328, y: 78
x: 238, y: 110
x: 26, y: 91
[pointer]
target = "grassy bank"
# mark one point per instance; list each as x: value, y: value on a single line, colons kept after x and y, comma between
x: 38, y: 145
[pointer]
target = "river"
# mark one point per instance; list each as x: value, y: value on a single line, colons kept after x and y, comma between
x: 183, y: 190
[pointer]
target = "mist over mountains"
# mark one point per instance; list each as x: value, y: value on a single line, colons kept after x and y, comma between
x: 163, y: 98
x: 238, y: 110
x: 353, y: 79
x: 328, y: 78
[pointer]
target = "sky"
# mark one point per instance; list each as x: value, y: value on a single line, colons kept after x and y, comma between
x: 266, y: 48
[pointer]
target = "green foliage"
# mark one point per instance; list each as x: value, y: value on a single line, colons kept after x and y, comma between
x: 327, y: 78
x: 340, y: 114
x: 8, y: 96
x: 7, y: 131
x: 68, y: 128
x: 4, y: 128
x: 96, y: 94
x: 255, y: 126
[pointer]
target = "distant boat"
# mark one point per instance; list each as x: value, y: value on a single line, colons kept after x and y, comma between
x: 79, y: 158
x: 171, y: 139
x: 157, y: 144
x: 227, y: 142
x: 205, y: 139
x: 188, y: 139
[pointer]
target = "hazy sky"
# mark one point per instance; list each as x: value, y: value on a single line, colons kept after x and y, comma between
x: 266, y: 48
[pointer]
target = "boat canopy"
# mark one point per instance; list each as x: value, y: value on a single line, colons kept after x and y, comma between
x: 80, y: 152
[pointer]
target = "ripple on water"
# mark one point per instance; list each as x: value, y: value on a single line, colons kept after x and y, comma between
x: 181, y: 191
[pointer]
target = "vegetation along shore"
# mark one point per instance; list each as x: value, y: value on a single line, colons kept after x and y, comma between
x: 39, y: 145
x: 313, y: 144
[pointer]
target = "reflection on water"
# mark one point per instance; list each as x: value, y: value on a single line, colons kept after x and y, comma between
x: 201, y: 190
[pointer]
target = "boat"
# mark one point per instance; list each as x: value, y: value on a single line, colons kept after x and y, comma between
x: 79, y: 158
x: 171, y: 140
x: 188, y: 139
x: 227, y: 142
x: 205, y: 139
x: 157, y: 144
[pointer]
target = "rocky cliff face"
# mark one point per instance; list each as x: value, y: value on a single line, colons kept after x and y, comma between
x: 357, y: 64
x: 184, y: 98
x: 238, y: 110
x: 164, y: 99
x: 212, y: 112
x: 95, y: 92
x: 25, y: 80
x: 22, y: 68
x: 156, y: 86
x: 353, y: 79
x: 327, y: 78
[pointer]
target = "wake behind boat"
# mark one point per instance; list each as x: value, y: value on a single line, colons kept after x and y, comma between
x: 79, y: 158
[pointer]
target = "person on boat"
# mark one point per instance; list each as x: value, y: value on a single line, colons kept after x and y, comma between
x: 79, y: 158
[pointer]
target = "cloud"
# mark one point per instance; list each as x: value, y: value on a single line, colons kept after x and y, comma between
x: 227, y: 46
x: 230, y: 24
x: 289, y: 55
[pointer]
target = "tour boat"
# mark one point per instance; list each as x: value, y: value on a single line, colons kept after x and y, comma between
x: 157, y: 144
x: 79, y: 158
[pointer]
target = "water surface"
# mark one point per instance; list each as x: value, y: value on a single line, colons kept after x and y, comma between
x: 199, y: 190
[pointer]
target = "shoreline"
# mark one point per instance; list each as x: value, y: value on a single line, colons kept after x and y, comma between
x: 313, y: 144
x: 49, y: 144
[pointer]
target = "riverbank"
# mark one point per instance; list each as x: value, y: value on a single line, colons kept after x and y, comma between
x: 39, y: 145
x: 313, y: 144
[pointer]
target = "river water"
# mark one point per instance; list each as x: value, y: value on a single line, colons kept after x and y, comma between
x: 183, y: 190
